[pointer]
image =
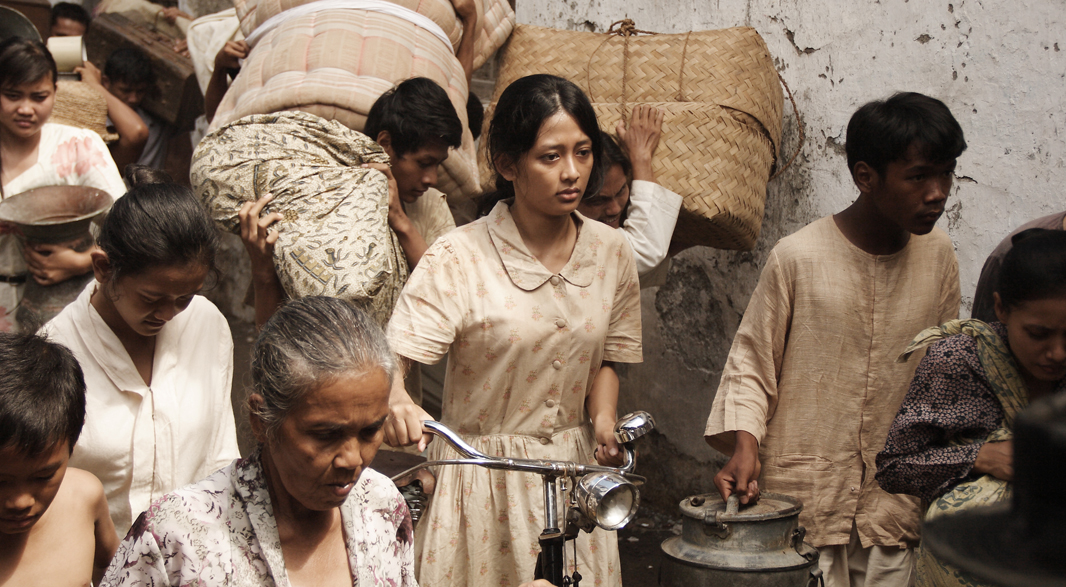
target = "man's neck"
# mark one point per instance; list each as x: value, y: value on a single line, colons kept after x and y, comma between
x: 867, y: 229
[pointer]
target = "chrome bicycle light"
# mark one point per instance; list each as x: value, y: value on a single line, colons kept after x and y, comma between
x: 608, y: 499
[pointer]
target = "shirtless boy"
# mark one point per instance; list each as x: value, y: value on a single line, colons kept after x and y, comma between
x: 55, y: 529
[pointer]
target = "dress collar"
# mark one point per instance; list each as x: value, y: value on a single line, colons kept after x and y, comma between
x: 525, y: 270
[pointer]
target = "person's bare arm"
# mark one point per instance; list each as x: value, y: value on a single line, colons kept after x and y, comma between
x: 403, y: 426
x: 996, y: 459
x: 226, y: 62
x: 602, y: 406
x: 131, y: 129
x: 741, y: 474
x: 259, y: 241
x: 411, y: 241
x: 52, y: 264
x: 104, y: 532
x: 466, y: 10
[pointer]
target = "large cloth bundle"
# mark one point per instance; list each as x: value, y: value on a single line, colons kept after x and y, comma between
x: 334, y: 59
x: 335, y: 63
x: 335, y: 239
x: 495, y: 19
x: 723, y: 104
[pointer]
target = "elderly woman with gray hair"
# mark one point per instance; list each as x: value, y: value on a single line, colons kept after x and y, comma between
x: 303, y: 508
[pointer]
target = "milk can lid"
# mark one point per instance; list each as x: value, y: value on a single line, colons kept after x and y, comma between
x: 769, y: 506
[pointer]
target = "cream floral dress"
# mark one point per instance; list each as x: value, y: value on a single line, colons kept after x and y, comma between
x: 524, y: 347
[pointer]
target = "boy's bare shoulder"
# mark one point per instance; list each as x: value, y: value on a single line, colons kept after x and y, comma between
x: 82, y: 488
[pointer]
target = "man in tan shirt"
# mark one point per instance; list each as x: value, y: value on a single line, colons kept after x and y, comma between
x: 811, y: 385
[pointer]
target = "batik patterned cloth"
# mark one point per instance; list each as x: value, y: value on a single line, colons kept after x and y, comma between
x: 966, y: 392
x: 335, y: 238
x: 222, y: 531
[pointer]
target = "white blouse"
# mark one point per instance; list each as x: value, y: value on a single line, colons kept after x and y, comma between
x: 649, y: 224
x: 143, y: 441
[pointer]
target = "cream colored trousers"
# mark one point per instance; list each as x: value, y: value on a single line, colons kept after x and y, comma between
x: 851, y: 565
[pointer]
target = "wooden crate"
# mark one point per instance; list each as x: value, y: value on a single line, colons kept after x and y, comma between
x: 178, y: 101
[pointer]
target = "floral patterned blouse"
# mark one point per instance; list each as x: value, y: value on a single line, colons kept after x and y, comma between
x: 65, y: 156
x: 950, y: 397
x: 221, y: 531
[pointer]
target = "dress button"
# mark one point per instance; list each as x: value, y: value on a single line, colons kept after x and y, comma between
x: 560, y: 323
x: 544, y: 441
x: 550, y: 403
x: 557, y: 364
x: 556, y: 280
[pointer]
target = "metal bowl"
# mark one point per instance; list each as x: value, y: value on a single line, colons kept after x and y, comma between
x: 55, y: 214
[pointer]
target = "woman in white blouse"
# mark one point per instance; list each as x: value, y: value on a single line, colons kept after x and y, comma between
x: 36, y: 153
x: 157, y: 357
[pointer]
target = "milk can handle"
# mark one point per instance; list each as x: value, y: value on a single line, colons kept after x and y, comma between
x: 732, y: 505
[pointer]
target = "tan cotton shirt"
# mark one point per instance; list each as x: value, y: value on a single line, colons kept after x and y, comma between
x: 812, y: 374
x: 430, y: 215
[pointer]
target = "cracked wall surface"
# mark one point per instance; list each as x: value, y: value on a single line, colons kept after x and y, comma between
x: 997, y: 64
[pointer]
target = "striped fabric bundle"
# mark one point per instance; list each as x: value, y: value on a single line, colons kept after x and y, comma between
x: 335, y: 62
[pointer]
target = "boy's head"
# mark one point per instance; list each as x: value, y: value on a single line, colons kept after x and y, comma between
x: 129, y: 76
x: 42, y: 409
x: 415, y: 123
x: 901, y: 153
x: 68, y: 20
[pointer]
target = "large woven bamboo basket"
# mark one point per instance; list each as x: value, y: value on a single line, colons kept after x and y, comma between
x: 722, y: 100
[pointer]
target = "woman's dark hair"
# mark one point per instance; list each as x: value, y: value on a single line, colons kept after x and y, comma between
x: 882, y: 131
x: 135, y: 175
x: 416, y: 113
x: 23, y: 61
x: 521, y: 110
x: 157, y: 225
x: 42, y: 394
x: 306, y: 344
x: 1034, y: 268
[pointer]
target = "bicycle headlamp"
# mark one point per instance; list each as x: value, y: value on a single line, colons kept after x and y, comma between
x: 607, y: 499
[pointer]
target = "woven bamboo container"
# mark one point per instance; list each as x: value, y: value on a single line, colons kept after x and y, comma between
x: 722, y: 101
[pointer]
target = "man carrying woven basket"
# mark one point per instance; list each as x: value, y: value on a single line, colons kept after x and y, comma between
x: 811, y: 385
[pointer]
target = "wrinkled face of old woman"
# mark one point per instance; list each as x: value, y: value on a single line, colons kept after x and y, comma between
x: 327, y: 438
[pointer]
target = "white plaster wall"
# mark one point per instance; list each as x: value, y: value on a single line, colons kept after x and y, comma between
x: 999, y: 65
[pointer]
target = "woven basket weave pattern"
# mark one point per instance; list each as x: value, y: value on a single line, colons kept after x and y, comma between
x: 723, y: 113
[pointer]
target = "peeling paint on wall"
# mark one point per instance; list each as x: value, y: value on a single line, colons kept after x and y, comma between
x: 998, y: 66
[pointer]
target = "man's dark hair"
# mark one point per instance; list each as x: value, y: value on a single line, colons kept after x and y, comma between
x: 68, y: 10
x: 882, y: 131
x: 42, y: 394
x: 130, y: 66
x: 416, y: 113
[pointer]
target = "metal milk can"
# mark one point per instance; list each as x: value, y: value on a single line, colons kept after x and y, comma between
x: 722, y: 544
